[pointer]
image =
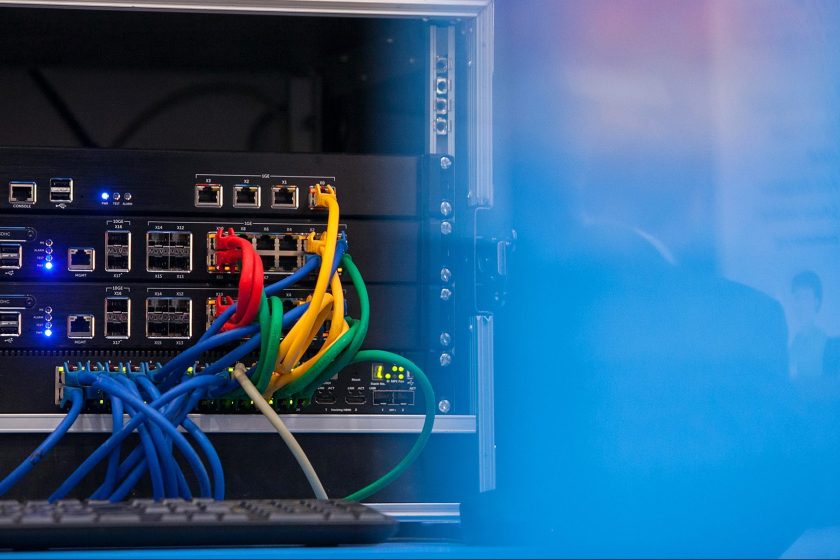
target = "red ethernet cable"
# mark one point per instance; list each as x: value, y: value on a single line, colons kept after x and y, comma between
x: 231, y: 249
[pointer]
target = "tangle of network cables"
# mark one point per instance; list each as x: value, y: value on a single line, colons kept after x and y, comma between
x: 298, y: 350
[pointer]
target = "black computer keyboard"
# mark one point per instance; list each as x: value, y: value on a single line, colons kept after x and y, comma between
x: 97, y: 524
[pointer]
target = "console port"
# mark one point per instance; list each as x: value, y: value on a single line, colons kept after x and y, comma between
x: 23, y: 192
x: 265, y: 242
x: 117, y: 317
x: 284, y: 196
x: 355, y: 397
x: 246, y: 196
x: 11, y: 256
x: 118, y: 251
x: 169, y: 317
x: 9, y: 323
x: 208, y: 194
x: 61, y: 190
x: 324, y: 396
x: 81, y: 258
x: 288, y: 243
x: 168, y: 251
x: 80, y: 326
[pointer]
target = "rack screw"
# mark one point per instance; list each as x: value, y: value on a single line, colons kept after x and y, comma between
x: 445, y: 274
x: 445, y: 208
x: 446, y: 228
x: 445, y: 163
x: 444, y: 406
x: 445, y: 294
x: 445, y: 359
x: 445, y: 339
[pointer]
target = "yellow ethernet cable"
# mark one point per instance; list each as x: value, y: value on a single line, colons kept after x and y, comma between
x: 324, y: 197
x: 338, y: 326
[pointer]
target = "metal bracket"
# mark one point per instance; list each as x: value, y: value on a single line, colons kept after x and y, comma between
x: 441, y: 90
x: 491, y: 269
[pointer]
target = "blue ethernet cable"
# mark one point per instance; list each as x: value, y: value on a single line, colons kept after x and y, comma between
x: 114, y: 460
x: 76, y: 398
x: 131, y: 470
x: 164, y: 459
x: 201, y: 439
x: 103, y: 450
x: 149, y: 446
x: 148, y: 412
x: 190, y: 355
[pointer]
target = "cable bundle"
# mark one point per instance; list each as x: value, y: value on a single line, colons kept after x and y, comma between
x: 159, y: 399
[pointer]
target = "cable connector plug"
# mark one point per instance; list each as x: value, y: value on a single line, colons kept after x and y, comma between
x: 321, y: 194
x: 228, y: 250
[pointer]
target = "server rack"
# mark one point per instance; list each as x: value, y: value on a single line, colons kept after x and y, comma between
x: 458, y: 141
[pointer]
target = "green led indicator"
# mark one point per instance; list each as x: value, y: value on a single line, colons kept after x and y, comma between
x: 394, y: 368
x: 402, y: 368
x: 401, y: 376
x: 387, y: 376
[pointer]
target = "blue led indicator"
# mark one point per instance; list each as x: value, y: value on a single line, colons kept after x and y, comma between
x: 48, y: 332
x: 48, y: 265
x: 105, y: 196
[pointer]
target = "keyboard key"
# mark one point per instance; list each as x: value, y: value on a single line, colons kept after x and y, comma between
x: 118, y: 518
x: 204, y: 518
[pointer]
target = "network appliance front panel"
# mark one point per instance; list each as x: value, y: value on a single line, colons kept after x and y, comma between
x: 108, y: 259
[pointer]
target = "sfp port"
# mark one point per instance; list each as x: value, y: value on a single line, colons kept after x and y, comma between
x: 381, y: 398
x: 169, y: 317
x: 10, y: 323
x: 168, y: 251
x: 117, y: 317
x: 81, y: 258
x: 11, y: 256
x: 23, y: 192
x: 80, y: 326
x: 118, y: 251
x: 61, y: 190
x: 284, y: 196
x: 208, y: 195
x: 246, y: 196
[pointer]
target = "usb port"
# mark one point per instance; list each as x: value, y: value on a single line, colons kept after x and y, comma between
x: 11, y: 256
x: 284, y: 196
x: 246, y: 196
x: 208, y: 194
x: 10, y: 323
x: 61, y: 190
x: 80, y: 259
x: 22, y: 192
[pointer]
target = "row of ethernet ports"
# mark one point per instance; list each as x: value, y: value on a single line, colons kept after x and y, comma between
x: 172, y: 251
